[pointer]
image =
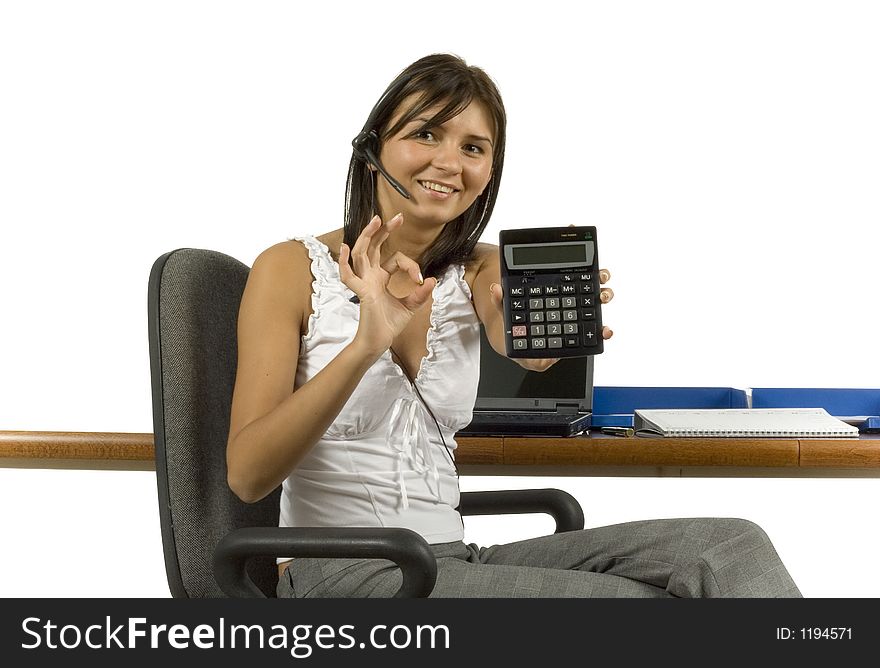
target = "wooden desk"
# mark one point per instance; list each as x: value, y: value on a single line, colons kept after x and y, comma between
x: 600, y: 455
x: 596, y: 455
x: 77, y: 450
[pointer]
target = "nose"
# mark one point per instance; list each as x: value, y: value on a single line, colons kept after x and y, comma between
x: 447, y: 158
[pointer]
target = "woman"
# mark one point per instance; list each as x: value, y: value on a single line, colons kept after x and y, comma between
x: 359, y: 361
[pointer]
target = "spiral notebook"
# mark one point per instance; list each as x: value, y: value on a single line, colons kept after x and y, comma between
x: 742, y: 423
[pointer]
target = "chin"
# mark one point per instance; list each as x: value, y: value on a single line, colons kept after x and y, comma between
x: 429, y: 215
x: 430, y: 221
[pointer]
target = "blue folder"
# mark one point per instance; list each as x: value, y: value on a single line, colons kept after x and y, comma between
x: 614, y: 406
x: 840, y: 402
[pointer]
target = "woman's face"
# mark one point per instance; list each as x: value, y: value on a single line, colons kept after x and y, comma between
x: 444, y: 168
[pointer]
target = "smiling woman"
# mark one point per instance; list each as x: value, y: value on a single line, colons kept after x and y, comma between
x: 447, y: 166
x: 348, y: 361
x: 438, y: 123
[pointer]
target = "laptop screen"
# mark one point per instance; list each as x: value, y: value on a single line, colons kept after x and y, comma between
x: 505, y: 385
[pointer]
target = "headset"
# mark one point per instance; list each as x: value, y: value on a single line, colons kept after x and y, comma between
x: 366, y: 144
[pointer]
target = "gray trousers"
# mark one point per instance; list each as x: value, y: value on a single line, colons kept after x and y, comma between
x: 704, y: 557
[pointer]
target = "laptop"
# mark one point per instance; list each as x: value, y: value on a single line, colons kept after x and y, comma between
x: 514, y: 402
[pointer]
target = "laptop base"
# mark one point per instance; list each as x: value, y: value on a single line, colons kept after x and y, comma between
x: 526, y: 424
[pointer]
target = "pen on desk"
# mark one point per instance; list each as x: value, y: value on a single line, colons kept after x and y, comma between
x: 618, y: 431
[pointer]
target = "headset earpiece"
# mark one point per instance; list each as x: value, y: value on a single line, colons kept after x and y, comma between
x: 365, y: 143
x: 365, y: 146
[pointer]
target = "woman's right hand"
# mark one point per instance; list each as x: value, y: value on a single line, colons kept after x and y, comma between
x: 383, y: 316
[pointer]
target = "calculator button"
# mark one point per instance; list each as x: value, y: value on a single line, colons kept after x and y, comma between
x: 536, y: 330
x: 517, y: 304
x: 517, y: 292
x: 520, y: 344
x: 551, y: 290
x: 554, y: 330
x: 570, y: 328
x: 587, y: 288
x: 536, y: 316
x: 554, y: 342
x: 517, y: 317
x: 539, y: 343
x: 552, y: 316
x: 568, y: 278
x: 536, y: 303
x: 552, y: 302
x: 570, y: 315
x: 519, y: 330
x: 572, y: 341
x: 535, y: 290
x: 568, y: 289
x: 590, y: 336
x: 588, y: 302
x: 588, y: 314
x: 569, y: 302
x: 586, y: 277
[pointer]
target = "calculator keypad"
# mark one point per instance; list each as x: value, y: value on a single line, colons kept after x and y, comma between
x: 554, y: 315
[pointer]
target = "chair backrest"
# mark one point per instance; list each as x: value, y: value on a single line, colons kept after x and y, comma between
x: 193, y: 301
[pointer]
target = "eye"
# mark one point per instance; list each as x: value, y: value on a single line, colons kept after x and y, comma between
x: 425, y: 135
x: 473, y: 148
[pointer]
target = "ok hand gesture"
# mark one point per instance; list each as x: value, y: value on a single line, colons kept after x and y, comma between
x: 383, y: 316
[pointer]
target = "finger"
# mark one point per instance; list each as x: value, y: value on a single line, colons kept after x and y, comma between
x: 606, y: 295
x: 400, y: 262
x: 418, y: 297
x: 360, y: 250
x: 346, y: 275
x: 366, y: 234
x: 604, y: 275
x: 607, y: 333
x: 497, y: 295
x: 539, y: 365
x: 344, y: 267
x: 547, y: 363
x: 381, y: 236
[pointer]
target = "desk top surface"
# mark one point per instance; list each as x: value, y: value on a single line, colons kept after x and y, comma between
x: 596, y: 449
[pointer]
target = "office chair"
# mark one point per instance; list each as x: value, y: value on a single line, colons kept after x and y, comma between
x: 214, y: 544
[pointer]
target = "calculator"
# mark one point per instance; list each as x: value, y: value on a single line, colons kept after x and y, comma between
x: 550, y: 279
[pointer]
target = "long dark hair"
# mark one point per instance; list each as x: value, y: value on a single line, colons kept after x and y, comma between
x: 439, y: 79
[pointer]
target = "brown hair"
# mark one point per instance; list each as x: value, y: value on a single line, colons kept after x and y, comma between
x: 439, y: 80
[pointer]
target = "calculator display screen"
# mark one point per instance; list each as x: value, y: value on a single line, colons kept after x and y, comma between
x: 549, y: 255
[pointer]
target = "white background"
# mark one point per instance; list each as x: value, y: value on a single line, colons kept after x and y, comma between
x: 726, y: 151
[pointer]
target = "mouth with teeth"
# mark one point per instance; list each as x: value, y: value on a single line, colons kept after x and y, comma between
x: 434, y: 187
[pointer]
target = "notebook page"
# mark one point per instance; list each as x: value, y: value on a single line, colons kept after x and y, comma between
x: 744, y: 422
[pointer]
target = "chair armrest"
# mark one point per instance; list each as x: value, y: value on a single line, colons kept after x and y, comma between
x: 562, y: 506
x: 404, y: 547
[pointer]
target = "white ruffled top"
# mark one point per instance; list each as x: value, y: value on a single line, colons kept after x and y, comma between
x: 382, y: 462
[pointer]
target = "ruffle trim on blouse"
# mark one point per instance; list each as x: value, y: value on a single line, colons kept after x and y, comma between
x: 445, y: 309
x: 326, y: 284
